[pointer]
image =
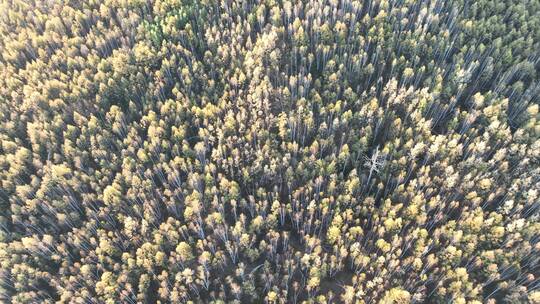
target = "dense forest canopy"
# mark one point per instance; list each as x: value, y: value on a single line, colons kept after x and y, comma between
x: 168, y: 151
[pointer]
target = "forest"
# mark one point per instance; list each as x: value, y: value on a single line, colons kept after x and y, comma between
x: 270, y: 151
